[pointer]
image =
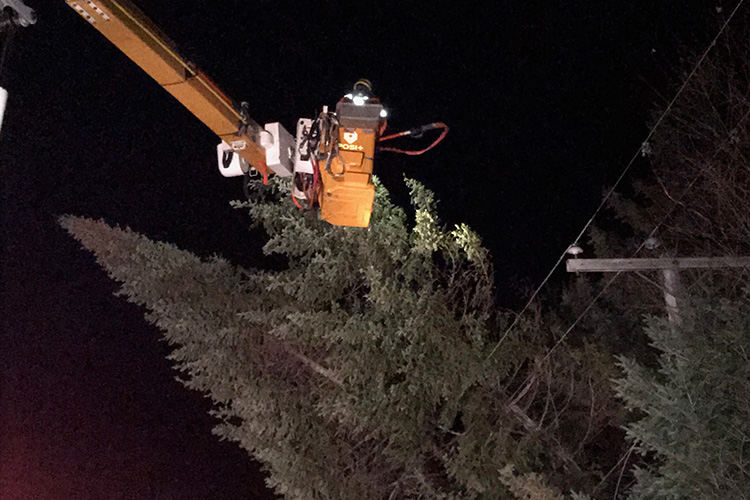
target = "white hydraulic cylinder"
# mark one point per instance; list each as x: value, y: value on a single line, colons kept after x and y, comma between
x: 3, y: 101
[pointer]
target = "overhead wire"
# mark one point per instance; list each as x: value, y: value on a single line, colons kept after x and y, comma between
x: 623, y: 460
x: 675, y: 203
x: 609, y: 194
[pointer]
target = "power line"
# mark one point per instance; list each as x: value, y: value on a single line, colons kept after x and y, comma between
x: 611, y: 192
x: 653, y: 232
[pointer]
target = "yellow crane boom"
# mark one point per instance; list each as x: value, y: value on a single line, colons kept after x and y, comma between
x: 335, y: 170
x: 139, y: 39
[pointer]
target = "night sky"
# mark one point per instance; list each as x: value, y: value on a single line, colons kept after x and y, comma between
x: 547, y: 101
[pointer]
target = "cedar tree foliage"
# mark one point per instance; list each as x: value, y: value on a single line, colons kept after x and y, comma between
x: 358, y: 371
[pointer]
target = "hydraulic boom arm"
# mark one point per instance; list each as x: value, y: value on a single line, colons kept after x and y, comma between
x: 134, y: 34
x: 331, y: 161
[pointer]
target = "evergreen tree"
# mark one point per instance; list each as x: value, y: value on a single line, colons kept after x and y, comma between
x: 375, y: 364
x: 347, y: 374
x: 687, y: 393
x: 695, y: 407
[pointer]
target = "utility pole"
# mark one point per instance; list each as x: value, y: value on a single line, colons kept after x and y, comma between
x: 670, y: 268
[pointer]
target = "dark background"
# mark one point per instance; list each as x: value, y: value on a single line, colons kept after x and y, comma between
x: 547, y: 102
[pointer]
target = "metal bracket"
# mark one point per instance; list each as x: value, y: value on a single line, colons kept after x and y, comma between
x: 22, y: 14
